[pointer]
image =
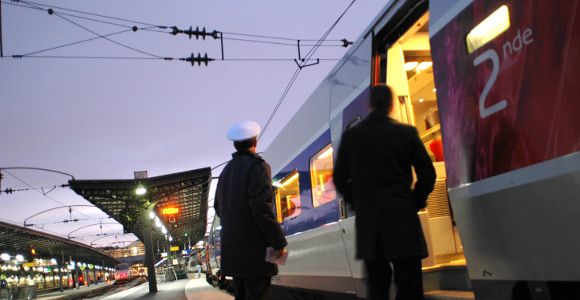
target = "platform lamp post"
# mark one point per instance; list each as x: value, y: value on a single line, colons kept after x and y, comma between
x: 141, y: 191
x: 60, y: 265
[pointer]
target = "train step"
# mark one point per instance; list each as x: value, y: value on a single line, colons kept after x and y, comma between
x: 449, y: 295
x: 446, y: 278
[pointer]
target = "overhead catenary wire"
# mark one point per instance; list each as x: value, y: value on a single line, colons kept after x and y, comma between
x: 41, y: 225
x: 162, y: 58
x: 275, y: 37
x: 94, y: 14
x: 49, y: 197
x: 299, y: 69
x: 42, y: 188
x: 153, y: 56
x: 76, y: 43
x: 279, y: 43
x: 157, y: 25
x: 17, y: 224
x: 91, y: 57
x: 99, y: 35
x: 30, y: 5
x: 152, y: 27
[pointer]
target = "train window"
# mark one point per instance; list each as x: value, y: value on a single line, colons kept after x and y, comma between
x: 288, y: 203
x: 321, y: 167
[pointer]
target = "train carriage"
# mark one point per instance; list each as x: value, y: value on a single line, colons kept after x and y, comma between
x: 490, y: 87
x: 122, y: 273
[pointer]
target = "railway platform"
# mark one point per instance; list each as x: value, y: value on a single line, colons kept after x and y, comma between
x: 77, y: 293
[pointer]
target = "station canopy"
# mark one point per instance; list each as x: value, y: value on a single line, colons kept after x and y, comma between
x: 180, y: 202
x: 16, y: 240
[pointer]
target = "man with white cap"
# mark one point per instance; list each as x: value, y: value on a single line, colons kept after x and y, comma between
x: 244, y: 202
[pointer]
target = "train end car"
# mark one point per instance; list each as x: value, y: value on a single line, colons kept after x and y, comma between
x: 122, y: 273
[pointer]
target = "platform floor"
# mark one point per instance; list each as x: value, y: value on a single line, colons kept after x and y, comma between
x: 190, y: 289
x: 72, y: 293
x: 185, y: 289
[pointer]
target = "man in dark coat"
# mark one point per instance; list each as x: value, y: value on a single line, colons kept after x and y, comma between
x: 244, y: 202
x: 373, y: 172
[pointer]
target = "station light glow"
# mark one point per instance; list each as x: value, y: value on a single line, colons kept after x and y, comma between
x: 417, y: 67
x: 5, y: 256
x: 19, y: 258
x: 410, y: 66
x: 490, y: 28
x: 170, y: 211
x: 140, y: 191
x: 424, y: 65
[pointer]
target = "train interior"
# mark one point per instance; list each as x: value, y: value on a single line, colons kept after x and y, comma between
x: 406, y: 66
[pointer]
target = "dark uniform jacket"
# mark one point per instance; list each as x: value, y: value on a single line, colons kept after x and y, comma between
x: 373, y: 172
x: 244, y: 202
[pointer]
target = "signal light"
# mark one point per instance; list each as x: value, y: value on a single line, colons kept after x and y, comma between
x: 170, y: 211
x: 32, y: 251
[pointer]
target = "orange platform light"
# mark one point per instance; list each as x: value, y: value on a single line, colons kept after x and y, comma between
x: 170, y: 211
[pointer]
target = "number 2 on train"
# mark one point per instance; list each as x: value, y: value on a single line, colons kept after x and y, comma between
x: 484, y: 111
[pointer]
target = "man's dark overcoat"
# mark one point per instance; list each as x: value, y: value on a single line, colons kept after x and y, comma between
x: 373, y: 172
x: 244, y: 202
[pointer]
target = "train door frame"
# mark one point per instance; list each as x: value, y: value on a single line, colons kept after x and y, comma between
x: 445, y: 246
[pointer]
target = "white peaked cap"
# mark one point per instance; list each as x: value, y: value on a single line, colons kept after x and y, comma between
x: 243, y: 131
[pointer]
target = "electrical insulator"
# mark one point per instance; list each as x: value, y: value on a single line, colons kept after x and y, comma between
x: 197, y: 59
x: 197, y: 33
x: 346, y: 43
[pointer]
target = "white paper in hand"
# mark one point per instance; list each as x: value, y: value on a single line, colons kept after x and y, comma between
x: 276, y: 260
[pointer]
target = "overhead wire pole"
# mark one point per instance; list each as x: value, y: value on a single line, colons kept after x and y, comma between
x: 1, y: 45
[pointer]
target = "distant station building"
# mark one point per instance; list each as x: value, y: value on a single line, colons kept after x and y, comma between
x: 32, y: 261
x: 134, y: 249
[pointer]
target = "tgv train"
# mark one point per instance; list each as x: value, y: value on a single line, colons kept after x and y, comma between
x: 123, y: 273
x: 490, y: 86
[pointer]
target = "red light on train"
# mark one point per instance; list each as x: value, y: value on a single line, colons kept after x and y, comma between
x: 170, y: 211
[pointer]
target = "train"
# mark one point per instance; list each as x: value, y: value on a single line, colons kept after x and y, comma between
x: 123, y: 272
x: 490, y: 87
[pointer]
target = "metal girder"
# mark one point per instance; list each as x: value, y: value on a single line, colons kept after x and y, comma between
x: 187, y: 190
x: 19, y: 240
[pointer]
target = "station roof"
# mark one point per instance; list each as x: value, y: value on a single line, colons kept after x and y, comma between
x: 21, y: 240
x: 188, y: 191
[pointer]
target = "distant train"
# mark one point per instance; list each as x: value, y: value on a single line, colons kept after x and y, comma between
x: 211, y: 258
x: 122, y: 272
x: 491, y: 87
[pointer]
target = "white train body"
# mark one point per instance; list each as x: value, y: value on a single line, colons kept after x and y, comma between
x: 514, y: 218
